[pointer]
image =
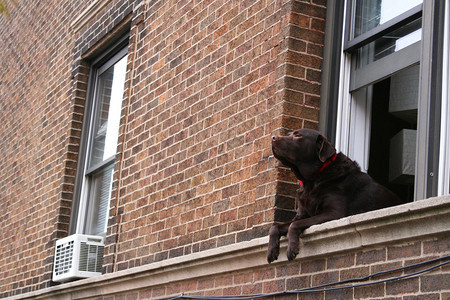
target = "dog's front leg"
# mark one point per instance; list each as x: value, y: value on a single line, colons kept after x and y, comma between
x: 294, y: 243
x: 275, y: 233
x: 279, y: 230
x: 297, y: 227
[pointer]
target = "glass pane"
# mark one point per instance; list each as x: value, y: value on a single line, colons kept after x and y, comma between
x: 98, y: 201
x: 369, y: 14
x: 393, y: 126
x: 389, y: 43
x: 110, y: 87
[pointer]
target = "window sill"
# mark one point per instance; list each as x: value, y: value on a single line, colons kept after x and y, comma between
x: 412, y: 221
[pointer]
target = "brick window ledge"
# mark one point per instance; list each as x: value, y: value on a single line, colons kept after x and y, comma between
x: 409, y: 222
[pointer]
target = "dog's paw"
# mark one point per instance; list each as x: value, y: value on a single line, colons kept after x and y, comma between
x: 292, y: 251
x: 272, y: 253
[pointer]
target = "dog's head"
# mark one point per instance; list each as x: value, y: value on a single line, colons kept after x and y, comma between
x: 304, y: 151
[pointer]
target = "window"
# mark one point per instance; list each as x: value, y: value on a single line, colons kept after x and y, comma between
x: 99, y: 143
x: 383, y: 107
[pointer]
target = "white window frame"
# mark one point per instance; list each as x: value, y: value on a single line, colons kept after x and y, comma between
x: 351, y: 111
x: 344, y: 135
x: 444, y: 167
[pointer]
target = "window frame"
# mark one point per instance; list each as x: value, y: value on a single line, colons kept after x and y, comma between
x: 336, y: 89
x: 430, y: 101
x: 444, y: 158
x: 108, y: 57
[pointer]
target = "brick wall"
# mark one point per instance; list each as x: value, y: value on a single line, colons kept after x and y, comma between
x: 35, y: 105
x: 312, y: 273
x: 211, y: 81
x: 208, y: 83
x: 43, y: 91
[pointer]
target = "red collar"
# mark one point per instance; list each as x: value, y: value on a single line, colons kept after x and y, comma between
x: 326, y: 164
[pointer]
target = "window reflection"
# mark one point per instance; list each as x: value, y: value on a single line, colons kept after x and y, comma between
x: 368, y: 14
x: 392, y: 42
x: 107, y: 121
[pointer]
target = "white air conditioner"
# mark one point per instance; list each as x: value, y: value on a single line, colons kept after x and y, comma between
x: 78, y: 256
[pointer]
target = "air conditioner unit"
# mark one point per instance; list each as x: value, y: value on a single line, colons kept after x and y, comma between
x: 78, y: 256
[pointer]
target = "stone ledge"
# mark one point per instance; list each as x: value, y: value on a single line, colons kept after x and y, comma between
x: 87, y: 14
x: 420, y: 219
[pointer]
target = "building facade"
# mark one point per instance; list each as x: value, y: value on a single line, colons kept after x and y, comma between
x: 147, y: 124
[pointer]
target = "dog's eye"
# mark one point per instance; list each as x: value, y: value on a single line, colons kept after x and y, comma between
x: 298, y: 135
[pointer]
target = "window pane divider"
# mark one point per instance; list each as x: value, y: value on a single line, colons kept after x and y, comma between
x: 385, y: 67
x: 100, y: 165
x: 379, y: 31
x: 112, y: 60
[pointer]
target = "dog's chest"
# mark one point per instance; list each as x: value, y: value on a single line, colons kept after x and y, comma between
x: 309, y: 205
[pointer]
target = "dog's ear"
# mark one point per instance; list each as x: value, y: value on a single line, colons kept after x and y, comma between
x: 325, y: 149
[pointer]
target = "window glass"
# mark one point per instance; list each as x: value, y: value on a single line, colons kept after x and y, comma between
x: 110, y: 87
x: 390, y: 43
x: 108, y: 96
x: 391, y: 103
x: 98, y: 207
x: 393, y: 130
x: 100, y: 144
x: 368, y: 14
x: 381, y: 130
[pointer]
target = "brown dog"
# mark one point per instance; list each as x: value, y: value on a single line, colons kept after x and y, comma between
x: 332, y: 187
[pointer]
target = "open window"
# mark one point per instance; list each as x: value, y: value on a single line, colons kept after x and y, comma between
x: 382, y: 106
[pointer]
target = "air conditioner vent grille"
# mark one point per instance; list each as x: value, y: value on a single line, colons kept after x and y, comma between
x: 78, y: 256
x: 64, y: 254
x: 91, y: 257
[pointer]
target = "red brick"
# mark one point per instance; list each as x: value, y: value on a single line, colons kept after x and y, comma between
x: 224, y: 281
x: 232, y: 291
x: 425, y: 297
x: 344, y: 261
x: 249, y: 289
x: 410, y: 250
x: 350, y: 273
x: 434, y: 283
x: 274, y: 286
x: 264, y: 274
x: 312, y: 266
x: 371, y: 291
x: 387, y: 267
x: 243, y: 278
x: 405, y: 286
x: 437, y: 246
x: 298, y: 282
x: 287, y: 270
x: 300, y: 20
x: 205, y: 283
x: 340, y: 294
x: 325, y: 277
x: 371, y: 256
